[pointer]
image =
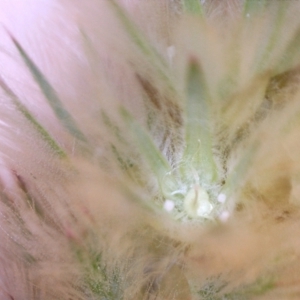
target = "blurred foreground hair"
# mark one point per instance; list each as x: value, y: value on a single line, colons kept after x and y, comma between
x: 149, y: 150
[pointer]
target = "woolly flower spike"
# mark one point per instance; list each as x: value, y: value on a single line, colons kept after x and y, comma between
x: 149, y: 150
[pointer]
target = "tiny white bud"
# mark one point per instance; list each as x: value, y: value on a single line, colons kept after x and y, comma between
x: 224, y: 216
x: 222, y: 198
x: 169, y: 205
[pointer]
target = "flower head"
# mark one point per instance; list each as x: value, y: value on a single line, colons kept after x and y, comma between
x: 149, y: 149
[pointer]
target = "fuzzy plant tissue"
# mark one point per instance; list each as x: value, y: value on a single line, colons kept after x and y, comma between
x: 149, y: 150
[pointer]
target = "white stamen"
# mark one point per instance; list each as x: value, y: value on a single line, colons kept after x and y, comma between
x: 224, y: 216
x: 222, y: 198
x: 169, y: 205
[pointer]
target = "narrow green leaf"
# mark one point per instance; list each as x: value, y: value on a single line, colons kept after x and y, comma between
x: 193, y: 6
x: 113, y: 128
x: 130, y: 27
x: 260, y: 287
x: 147, y: 148
x: 37, y: 126
x: 143, y: 45
x: 147, y: 206
x: 291, y: 53
x: 275, y: 31
x: 239, y: 172
x: 31, y: 202
x: 62, y: 114
x: 253, y: 6
x: 198, y: 134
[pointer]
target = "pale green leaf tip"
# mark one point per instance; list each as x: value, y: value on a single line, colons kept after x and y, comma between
x: 62, y: 114
x: 193, y: 7
x: 198, y: 135
x: 46, y: 136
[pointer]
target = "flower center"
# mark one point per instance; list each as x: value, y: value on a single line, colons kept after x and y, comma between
x: 196, y: 203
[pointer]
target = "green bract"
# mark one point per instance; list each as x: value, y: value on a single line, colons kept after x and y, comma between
x: 165, y: 164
